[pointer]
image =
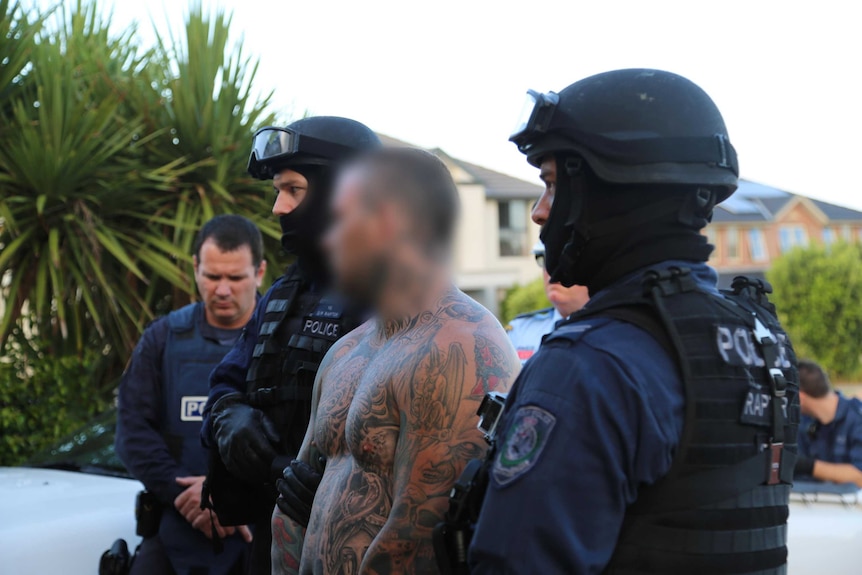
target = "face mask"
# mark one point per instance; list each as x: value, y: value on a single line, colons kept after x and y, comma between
x: 303, y: 228
x: 558, y: 234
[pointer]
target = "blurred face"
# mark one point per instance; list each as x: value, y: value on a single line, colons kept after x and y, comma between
x: 356, y: 241
x: 291, y: 188
x: 567, y: 300
x: 227, y: 283
x: 548, y: 175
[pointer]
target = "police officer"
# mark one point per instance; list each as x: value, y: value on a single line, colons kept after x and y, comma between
x: 527, y: 329
x: 830, y: 431
x: 162, y: 394
x: 629, y: 443
x: 259, y: 400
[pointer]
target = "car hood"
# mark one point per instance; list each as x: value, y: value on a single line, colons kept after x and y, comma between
x: 62, y: 519
x: 32, y: 495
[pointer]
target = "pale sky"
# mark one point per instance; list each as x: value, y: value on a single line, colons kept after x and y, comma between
x: 453, y: 74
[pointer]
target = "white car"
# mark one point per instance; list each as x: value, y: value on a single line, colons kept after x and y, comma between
x: 63, y: 512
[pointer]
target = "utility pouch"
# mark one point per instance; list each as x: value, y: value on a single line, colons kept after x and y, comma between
x: 148, y: 514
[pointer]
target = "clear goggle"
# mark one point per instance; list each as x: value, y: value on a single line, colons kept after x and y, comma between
x: 271, y: 145
x: 535, y: 115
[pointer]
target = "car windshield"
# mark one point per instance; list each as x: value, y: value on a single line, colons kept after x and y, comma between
x: 88, y: 450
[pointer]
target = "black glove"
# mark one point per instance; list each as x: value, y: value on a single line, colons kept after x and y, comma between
x: 246, y: 438
x: 296, y: 491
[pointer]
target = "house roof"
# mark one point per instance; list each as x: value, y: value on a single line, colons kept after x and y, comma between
x: 497, y: 185
x: 500, y: 186
x: 753, y: 202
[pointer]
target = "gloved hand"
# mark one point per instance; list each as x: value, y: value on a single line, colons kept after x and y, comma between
x: 246, y: 438
x: 296, y: 491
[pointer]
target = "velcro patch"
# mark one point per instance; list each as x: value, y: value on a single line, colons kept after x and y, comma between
x: 192, y: 407
x: 526, y: 439
x: 329, y: 329
x: 757, y: 408
x: 328, y: 308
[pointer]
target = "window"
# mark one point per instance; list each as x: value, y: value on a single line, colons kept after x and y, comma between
x: 846, y: 233
x: 513, y: 227
x: 792, y: 236
x: 712, y: 239
x: 731, y: 243
x: 756, y: 245
x: 828, y: 236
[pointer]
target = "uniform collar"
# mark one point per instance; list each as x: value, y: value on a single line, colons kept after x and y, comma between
x: 704, y: 276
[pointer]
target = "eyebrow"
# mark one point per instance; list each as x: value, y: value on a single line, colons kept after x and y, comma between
x: 292, y: 182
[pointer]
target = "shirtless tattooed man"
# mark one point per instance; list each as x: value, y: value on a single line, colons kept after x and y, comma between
x: 394, y: 413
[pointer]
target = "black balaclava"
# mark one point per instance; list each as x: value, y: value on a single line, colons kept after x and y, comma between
x: 597, y: 232
x: 302, y: 229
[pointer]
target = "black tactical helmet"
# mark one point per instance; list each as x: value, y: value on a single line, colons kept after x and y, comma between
x: 633, y: 126
x: 319, y: 140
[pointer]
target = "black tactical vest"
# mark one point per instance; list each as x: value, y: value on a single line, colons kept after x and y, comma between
x: 298, y: 328
x: 723, y: 507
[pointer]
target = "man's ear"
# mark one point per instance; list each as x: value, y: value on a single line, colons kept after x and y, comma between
x: 392, y: 222
x: 195, y: 263
x: 261, y: 270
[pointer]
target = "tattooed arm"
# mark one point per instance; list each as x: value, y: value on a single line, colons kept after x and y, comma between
x: 437, y: 402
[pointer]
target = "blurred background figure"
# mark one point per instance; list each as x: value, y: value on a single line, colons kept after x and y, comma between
x: 526, y: 330
x: 162, y: 395
x: 830, y: 430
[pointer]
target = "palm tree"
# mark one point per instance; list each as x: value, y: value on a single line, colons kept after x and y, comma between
x: 111, y: 157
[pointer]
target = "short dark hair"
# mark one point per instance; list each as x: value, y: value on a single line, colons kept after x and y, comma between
x: 812, y: 379
x: 230, y: 232
x: 422, y: 183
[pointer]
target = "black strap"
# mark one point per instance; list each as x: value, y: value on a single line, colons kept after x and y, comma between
x: 275, y: 395
x: 712, y: 486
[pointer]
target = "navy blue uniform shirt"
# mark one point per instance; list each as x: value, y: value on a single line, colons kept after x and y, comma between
x: 139, y: 441
x: 587, y: 422
x: 837, y: 442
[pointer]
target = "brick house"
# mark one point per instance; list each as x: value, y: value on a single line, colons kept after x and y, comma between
x: 758, y: 223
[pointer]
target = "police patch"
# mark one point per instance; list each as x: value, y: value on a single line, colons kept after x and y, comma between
x: 329, y: 329
x: 523, y: 444
x: 192, y: 407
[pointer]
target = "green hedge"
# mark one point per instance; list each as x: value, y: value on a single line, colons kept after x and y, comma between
x: 43, y: 398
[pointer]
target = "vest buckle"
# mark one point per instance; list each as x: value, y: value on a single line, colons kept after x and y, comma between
x: 779, y: 383
x: 774, y: 471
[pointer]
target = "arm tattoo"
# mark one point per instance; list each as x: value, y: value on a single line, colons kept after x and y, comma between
x: 492, y: 369
x: 287, y: 539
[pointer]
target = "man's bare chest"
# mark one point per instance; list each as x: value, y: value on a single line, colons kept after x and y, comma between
x: 358, y: 413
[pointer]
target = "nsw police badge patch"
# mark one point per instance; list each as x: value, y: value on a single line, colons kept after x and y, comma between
x: 523, y: 444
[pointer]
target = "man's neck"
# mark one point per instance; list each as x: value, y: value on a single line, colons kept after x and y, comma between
x: 826, y: 408
x: 237, y: 324
x: 410, y: 291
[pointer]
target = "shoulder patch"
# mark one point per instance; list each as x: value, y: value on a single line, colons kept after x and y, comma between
x: 526, y: 439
